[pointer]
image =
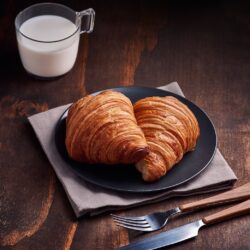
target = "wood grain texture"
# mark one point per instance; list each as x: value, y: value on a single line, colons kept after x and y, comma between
x: 16, y: 235
x: 202, y: 45
x: 70, y: 235
x: 231, y: 212
x: 237, y: 194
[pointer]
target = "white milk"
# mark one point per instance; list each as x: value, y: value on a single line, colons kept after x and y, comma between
x: 48, y: 59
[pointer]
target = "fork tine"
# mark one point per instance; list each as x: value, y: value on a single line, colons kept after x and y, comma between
x: 137, y: 222
x: 145, y: 229
x: 128, y: 218
x: 131, y: 223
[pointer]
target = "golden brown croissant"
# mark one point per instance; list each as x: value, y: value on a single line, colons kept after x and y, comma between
x: 103, y: 129
x: 171, y: 130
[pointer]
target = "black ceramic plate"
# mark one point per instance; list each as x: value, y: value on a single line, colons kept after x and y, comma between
x: 125, y: 177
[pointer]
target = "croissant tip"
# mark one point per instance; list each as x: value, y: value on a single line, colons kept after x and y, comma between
x: 140, y: 153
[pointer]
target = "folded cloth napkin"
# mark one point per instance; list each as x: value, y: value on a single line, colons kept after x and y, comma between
x: 88, y: 198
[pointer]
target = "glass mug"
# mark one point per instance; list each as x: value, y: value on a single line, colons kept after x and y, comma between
x: 48, y: 36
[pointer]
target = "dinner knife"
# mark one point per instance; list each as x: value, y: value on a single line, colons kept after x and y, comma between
x: 187, y: 231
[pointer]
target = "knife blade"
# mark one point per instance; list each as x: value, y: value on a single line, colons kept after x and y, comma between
x: 187, y: 231
x: 167, y: 238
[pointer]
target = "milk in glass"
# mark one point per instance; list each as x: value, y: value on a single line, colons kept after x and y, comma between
x: 48, y: 45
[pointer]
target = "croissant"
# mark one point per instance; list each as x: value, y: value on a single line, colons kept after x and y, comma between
x: 103, y: 129
x: 171, y: 130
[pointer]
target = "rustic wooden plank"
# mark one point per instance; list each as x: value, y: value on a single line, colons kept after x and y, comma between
x: 27, y: 181
x: 204, y: 46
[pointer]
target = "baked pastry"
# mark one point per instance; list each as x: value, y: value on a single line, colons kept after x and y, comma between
x: 171, y: 130
x: 103, y: 129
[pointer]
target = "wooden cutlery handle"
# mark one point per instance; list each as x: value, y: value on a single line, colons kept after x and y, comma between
x: 240, y: 209
x: 240, y: 193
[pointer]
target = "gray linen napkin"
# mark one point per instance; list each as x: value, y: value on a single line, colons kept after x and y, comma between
x: 87, y: 198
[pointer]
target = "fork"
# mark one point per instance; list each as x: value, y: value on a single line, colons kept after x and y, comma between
x: 158, y: 220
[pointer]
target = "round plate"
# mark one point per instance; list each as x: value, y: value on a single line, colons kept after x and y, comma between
x: 126, y: 177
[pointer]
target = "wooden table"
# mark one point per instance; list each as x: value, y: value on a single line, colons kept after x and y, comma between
x: 203, y: 46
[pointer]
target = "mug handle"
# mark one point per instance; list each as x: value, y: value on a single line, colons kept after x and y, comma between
x: 90, y: 13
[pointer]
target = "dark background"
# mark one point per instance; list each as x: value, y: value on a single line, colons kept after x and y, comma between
x: 203, y: 45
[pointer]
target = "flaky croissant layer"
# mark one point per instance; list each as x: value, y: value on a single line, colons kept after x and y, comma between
x: 103, y: 129
x: 171, y: 130
x: 155, y: 133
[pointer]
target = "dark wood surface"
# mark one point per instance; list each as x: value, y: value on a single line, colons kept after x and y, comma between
x: 204, y: 46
